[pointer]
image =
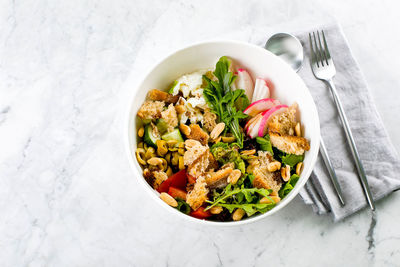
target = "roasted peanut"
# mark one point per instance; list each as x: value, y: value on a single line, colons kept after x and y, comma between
x: 285, y: 173
x: 228, y: 139
x: 140, y: 132
x: 273, y: 166
x: 248, y: 152
x: 217, y: 130
x: 297, y: 129
x: 216, y: 210
x: 238, y: 214
x: 298, y: 168
x: 168, y: 199
x: 234, y: 176
x: 155, y: 161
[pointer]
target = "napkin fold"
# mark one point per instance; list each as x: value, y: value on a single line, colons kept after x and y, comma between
x: 380, y: 159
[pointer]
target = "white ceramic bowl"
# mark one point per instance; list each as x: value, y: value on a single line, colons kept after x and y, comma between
x: 288, y: 88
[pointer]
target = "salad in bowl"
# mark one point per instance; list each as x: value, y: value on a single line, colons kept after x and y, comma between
x: 216, y: 146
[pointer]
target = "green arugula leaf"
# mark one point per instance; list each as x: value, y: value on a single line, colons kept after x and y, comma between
x: 222, y: 99
x: 292, y: 159
x: 265, y: 143
x: 250, y: 209
x: 285, y: 190
x: 183, y: 206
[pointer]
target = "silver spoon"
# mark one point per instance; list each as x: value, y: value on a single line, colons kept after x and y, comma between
x: 289, y: 48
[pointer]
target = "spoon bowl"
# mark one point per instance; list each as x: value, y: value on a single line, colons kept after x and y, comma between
x: 288, y: 48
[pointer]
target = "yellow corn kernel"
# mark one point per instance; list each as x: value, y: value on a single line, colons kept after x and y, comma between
x: 140, y: 132
x: 140, y: 154
x: 181, y: 164
x: 161, y: 147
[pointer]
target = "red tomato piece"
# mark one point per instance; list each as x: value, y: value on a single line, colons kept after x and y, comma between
x: 177, y: 180
x: 177, y: 193
x: 200, y: 213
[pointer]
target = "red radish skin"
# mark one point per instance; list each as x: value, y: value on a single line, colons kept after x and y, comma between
x: 261, y: 105
x: 262, y: 130
x: 261, y: 90
x: 251, y: 121
x: 252, y: 130
x: 244, y: 81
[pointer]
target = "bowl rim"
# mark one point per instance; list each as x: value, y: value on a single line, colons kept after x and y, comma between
x: 126, y: 136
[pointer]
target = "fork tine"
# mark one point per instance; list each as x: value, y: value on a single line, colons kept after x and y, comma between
x: 317, y: 49
x: 313, y: 58
x: 323, y: 51
x: 328, y: 55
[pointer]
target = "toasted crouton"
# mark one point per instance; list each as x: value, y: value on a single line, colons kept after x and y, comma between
x: 198, y: 134
x: 157, y: 95
x: 285, y: 122
x: 219, y: 178
x: 170, y: 117
x: 213, y: 164
x: 209, y: 120
x: 151, y: 110
x: 290, y: 144
x: 193, y: 151
x: 199, y: 166
x: 159, y: 177
x: 198, y: 195
x: 268, y: 180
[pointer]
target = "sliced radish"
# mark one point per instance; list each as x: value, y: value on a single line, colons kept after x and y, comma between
x: 252, y: 130
x: 261, y: 90
x: 250, y: 122
x: 263, y: 127
x: 261, y: 105
x: 244, y: 81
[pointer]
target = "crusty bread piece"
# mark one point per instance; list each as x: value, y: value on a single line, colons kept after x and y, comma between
x: 290, y: 144
x: 219, y: 178
x: 285, y: 122
x: 151, y: 110
x: 157, y: 95
x: 159, y: 177
x: 198, y: 134
x: 194, y: 152
x: 199, y: 166
x: 196, y: 197
x: 265, y: 157
x: 209, y: 120
x: 213, y: 164
x: 265, y: 179
x: 170, y: 117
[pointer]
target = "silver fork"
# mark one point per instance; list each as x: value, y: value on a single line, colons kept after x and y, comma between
x: 324, y: 69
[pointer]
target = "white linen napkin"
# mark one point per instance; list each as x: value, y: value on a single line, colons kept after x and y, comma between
x: 380, y: 159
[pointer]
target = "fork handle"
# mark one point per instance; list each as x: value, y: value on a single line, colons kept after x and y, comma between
x: 353, y: 148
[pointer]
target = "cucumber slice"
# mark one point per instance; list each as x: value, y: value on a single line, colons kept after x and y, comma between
x: 172, y: 88
x: 174, y: 135
x: 149, y: 137
x: 162, y: 126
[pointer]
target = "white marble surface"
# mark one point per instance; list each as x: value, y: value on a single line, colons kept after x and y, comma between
x: 67, y: 196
